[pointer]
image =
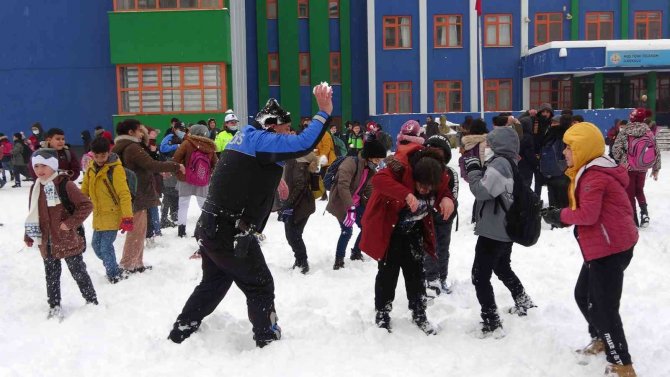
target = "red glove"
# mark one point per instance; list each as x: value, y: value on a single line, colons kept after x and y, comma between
x: 126, y: 225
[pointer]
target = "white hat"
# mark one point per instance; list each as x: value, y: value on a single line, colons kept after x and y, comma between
x: 231, y: 118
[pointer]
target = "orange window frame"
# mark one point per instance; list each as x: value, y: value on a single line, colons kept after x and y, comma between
x: 304, y: 65
x: 332, y: 14
x: 446, y: 24
x: 335, y: 67
x: 396, y: 26
x: 497, y: 24
x: 548, y: 22
x: 271, y: 4
x: 158, y: 7
x: 273, y: 56
x: 140, y: 89
x: 305, y: 3
x: 447, y: 91
x: 598, y: 23
x: 647, y: 21
x: 498, y: 89
x: 393, y: 87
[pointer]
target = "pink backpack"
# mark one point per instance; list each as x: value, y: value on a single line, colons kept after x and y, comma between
x: 641, y: 152
x: 199, y: 169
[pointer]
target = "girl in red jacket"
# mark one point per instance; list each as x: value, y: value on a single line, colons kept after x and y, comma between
x: 606, y: 234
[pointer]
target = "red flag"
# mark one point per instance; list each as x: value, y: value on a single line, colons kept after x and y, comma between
x: 478, y: 7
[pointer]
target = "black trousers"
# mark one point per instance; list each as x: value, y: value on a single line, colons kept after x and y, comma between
x: 405, y: 252
x: 77, y: 267
x: 557, y: 188
x: 493, y: 256
x: 439, y: 268
x: 540, y: 181
x: 220, y: 269
x: 170, y: 203
x: 598, y: 293
x: 294, y: 232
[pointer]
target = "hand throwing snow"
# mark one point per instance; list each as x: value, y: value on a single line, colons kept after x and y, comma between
x: 446, y: 208
x: 324, y: 97
x: 412, y: 202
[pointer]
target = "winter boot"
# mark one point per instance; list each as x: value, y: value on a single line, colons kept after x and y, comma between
x: 383, y: 320
x: 339, y: 263
x: 433, y: 289
x: 182, y: 330
x: 55, y: 312
x: 521, y: 305
x: 275, y: 335
x: 302, y: 265
x: 616, y: 370
x: 644, y: 216
x: 444, y: 286
x: 419, y: 318
x: 595, y: 347
x: 167, y: 223
x: 356, y: 255
x: 181, y: 231
x: 491, y: 322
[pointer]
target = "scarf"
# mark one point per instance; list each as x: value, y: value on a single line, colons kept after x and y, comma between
x: 33, y: 220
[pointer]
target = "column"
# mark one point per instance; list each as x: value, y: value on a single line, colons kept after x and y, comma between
x: 319, y: 44
x: 289, y: 78
x: 372, y: 61
x: 423, y: 56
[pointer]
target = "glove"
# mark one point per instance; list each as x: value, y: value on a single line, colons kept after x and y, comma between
x: 126, y: 224
x: 323, y: 160
x: 552, y: 216
x: 472, y: 164
x: 350, y: 219
x: 242, y: 240
x: 285, y: 214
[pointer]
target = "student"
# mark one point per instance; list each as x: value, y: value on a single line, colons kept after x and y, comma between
x: 67, y: 159
x: 231, y: 125
x: 105, y: 183
x: 56, y: 209
x: 603, y: 219
x: 400, y: 222
x: 20, y: 158
x: 355, y: 140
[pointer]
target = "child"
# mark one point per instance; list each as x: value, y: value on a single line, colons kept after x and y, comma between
x: 105, y: 183
x: 67, y: 160
x: 20, y: 159
x: 492, y: 188
x: 399, y: 216
x: 607, y: 235
x: 57, y: 209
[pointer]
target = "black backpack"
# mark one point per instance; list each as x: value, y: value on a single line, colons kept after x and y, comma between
x: 524, y: 221
x: 69, y: 206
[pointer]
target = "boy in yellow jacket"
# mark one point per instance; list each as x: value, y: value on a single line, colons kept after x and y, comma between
x: 105, y: 183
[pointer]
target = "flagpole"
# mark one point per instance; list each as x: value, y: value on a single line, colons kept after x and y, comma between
x: 480, y: 63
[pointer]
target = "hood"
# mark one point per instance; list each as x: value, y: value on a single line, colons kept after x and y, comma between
x: 635, y: 129
x: 404, y: 152
x: 112, y: 160
x: 546, y: 106
x: 205, y: 144
x: 412, y: 139
x: 504, y: 141
x: 587, y: 143
x: 470, y: 141
x: 526, y: 124
x: 608, y: 166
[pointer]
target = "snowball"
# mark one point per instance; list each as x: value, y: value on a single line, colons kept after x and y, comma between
x: 325, y: 85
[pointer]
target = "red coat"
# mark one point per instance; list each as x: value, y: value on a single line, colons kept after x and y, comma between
x: 604, y: 216
x: 390, y: 188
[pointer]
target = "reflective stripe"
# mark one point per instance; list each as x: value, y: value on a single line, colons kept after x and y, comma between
x: 319, y: 118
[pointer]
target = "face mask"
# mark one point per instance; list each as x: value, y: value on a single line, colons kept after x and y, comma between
x: 234, y: 128
x: 36, y: 132
x: 372, y: 165
x: 180, y: 134
x: 488, y: 153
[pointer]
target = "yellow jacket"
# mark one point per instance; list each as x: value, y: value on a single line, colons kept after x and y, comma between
x: 326, y: 147
x: 108, y: 207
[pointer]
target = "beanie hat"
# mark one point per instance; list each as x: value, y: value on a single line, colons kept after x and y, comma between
x: 231, y: 118
x: 45, y: 156
x: 272, y: 114
x: 639, y: 114
x: 370, y: 125
x: 411, y: 127
x: 199, y: 130
x: 373, y: 149
x: 440, y: 141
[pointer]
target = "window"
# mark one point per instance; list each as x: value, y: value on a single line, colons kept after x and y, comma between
x: 334, y: 8
x: 398, y: 97
x: 554, y: 91
x: 599, y: 25
x: 303, y: 8
x: 273, y: 68
x: 498, y: 30
x: 647, y: 25
x: 271, y: 9
x: 146, y: 89
x: 447, y: 96
x: 132, y: 5
x: 335, y: 68
x: 498, y: 95
x: 448, y: 31
x: 397, y: 32
x: 303, y: 62
x: 548, y: 27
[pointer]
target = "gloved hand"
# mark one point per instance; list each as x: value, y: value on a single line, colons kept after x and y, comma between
x: 552, y: 216
x: 323, y: 160
x: 285, y: 214
x: 242, y: 240
x: 472, y: 164
x: 126, y: 224
x: 350, y: 219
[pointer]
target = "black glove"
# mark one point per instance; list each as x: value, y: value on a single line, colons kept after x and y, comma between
x: 243, y: 240
x: 552, y: 216
x: 472, y: 164
x: 285, y: 214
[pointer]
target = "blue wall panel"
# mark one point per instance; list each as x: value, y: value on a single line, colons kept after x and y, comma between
x: 303, y: 35
x: 334, y: 34
x: 273, y: 36
x: 274, y: 93
x: 252, y: 58
x: 305, y: 102
x: 337, y: 102
x: 54, y: 69
x: 600, y: 6
x: 359, y: 61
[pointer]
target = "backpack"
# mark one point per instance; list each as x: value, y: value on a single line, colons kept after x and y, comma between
x: 551, y: 163
x: 340, y: 147
x: 331, y: 173
x: 131, y: 180
x: 199, y: 169
x: 641, y: 152
x: 474, y: 152
x: 69, y: 207
x: 524, y: 221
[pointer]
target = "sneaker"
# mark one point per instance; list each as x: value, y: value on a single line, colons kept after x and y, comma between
x: 55, y: 312
x: 595, y: 347
x: 15, y: 186
x: 615, y: 370
x: 140, y: 269
x: 521, y: 305
x: 339, y: 263
x: 122, y: 275
x: 445, y: 287
x: 433, y: 288
x: 421, y: 321
x: 302, y: 265
x: 182, y: 330
x: 383, y: 320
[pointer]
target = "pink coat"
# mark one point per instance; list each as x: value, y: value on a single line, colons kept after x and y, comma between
x: 604, y: 216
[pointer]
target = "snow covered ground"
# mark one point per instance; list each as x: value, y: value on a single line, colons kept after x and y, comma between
x: 327, y: 317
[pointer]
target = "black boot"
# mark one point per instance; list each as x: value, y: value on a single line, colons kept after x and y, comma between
x: 491, y: 322
x: 383, y: 320
x: 521, y: 305
x: 339, y: 263
x: 419, y: 318
x: 356, y: 255
x: 302, y: 265
x: 644, y: 216
x: 182, y: 330
x: 181, y: 231
x: 167, y: 223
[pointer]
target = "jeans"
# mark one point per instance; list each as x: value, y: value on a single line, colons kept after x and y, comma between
x: 103, y: 246
x: 77, y: 267
x: 345, y: 235
x: 438, y: 268
x: 18, y: 171
x: 170, y: 204
x: 6, y: 164
x: 153, y: 222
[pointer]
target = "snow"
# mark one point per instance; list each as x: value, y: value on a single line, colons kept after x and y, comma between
x: 327, y: 317
x: 611, y: 45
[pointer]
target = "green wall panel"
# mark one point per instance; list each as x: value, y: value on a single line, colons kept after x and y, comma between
x: 170, y: 36
x: 262, y: 48
x: 625, y: 14
x: 289, y: 78
x: 345, y: 57
x: 651, y: 92
x: 574, y: 24
x: 319, y: 31
x: 162, y: 121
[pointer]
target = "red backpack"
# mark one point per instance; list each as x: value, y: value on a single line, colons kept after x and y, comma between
x: 641, y: 152
x: 199, y: 169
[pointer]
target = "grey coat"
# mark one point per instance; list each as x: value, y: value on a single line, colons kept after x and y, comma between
x: 497, y: 180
